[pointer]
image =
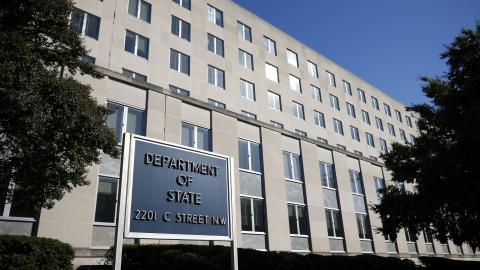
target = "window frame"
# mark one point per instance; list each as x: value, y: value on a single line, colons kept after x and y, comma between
x: 182, y: 24
x: 354, y: 133
x: 138, y: 10
x: 216, y: 40
x: 361, y: 95
x: 124, y: 122
x: 249, y: 156
x: 181, y: 3
x: 379, y: 123
x: 86, y: 16
x: 338, y: 126
x: 312, y: 69
x: 315, y: 93
x: 334, y: 102
x: 293, y: 83
x: 369, y: 139
x: 366, y: 117
x: 253, y: 214
x: 244, y: 31
x: 375, y: 103
x: 179, y: 61
x: 216, y: 72
x: 243, y: 59
x: 298, y: 110
x: 298, y: 231
x: 292, y: 58
x: 267, y: 42
x: 195, y: 136
x: 291, y: 165
x: 217, y: 15
x: 274, y: 95
x: 252, y: 96
x: 319, y: 119
x: 269, y: 66
x: 347, y: 88
x: 351, y: 110
x: 135, y: 49
x: 331, y: 79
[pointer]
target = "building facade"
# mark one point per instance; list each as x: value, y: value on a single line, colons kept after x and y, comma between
x: 305, y: 134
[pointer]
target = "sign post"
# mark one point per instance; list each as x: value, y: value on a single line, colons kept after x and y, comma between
x: 170, y: 191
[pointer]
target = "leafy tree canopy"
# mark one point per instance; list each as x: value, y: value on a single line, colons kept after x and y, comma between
x: 444, y: 162
x: 51, y: 129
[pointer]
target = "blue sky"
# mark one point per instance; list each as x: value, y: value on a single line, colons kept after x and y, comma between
x: 389, y: 44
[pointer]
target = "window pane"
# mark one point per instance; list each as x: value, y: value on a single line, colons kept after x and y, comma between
x: 243, y: 154
x: 330, y: 227
x: 323, y: 174
x: 338, y: 224
x: 130, y: 42
x: 245, y: 205
x: 211, y: 43
x: 186, y: 31
x: 142, y: 49
x: 292, y: 220
x: 77, y: 20
x: 302, y: 220
x: 331, y: 176
x: 145, y: 11
x: 93, y: 26
x: 203, y: 139
x: 185, y: 65
x: 296, y: 168
x: 287, y: 170
x: 135, y: 122
x: 211, y: 75
x: 219, y: 47
x: 187, y: 134
x: 359, y: 226
x: 175, y: 26
x: 255, y: 157
x: 106, y: 200
x: 132, y: 7
x: 114, y: 120
x: 258, y: 212
x: 220, y: 79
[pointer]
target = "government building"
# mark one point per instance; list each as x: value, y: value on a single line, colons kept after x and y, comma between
x: 305, y: 134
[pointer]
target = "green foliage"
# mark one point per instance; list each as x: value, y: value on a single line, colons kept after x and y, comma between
x: 217, y: 257
x: 447, y: 264
x: 51, y: 129
x: 444, y: 163
x: 26, y: 253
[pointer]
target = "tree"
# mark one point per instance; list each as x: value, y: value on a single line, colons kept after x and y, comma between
x: 444, y: 162
x: 51, y: 129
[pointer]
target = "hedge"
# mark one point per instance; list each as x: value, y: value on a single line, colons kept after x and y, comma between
x: 439, y: 263
x: 25, y: 252
x: 175, y: 257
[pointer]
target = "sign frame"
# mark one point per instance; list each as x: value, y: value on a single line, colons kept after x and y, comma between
x: 167, y: 236
x: 125, y: 186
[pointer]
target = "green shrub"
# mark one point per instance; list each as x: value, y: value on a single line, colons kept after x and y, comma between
x: 24, y: 252
x: 175, y: 257
x: 436, y: 263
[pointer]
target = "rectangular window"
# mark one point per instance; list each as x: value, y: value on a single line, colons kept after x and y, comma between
x: 88, y: 59
x: 319, y: 119
x: 409, y: 121
x: 354, y: 133
x: 402, y: 135
x: 179, y: 90
x: 195, y: 136
x: 179, y: 62
x: 9, y: 207
x: 136, y: 44
x: 315, y: 93
x: 347, y: 88
x: 427, y: 236
x: 334, y: 102
x: 298, y: 110
x: 252, y: 214
x: 106, y: 207
x: 370, y: 141
x: 215, y: 45
x: 249, y: 156
x: 312, y: 69
x: 216, y: 77
x: 245, y: 59
x: 337, y: 126
x: 247, y: 90
x: 292, y: 58
x: 387, y: 110
x: 297, y: 219
x: 391, y: 129
x: 244, y: 32
x: 331, y: 79
x: 271, y: 72
x: 379, y: 187
x: 327, y: 175
x: 412, y: 139
x: 334, y: 223
x: 140, y: 9
x: 125, y: 119
x: 269, y: 45
x: 184, y: 3
x: 215, y: 15
x: 375, y: 103
x: 291, y: 167
x: 379, y: 123
x: 351, y: 110
x: 356, y: 182
x: 276, y: 124
x: 274, y: 101
x: 216, y: 103
x: 249, y: 114
x: 363, y: 225
x: 365, y: 117
x: 295, y: 83
x: 180, y: 28
x: 301, y: 132
x: 343, y: 147
x: 322, y: 140
x: 411, y: 237
x: 85, y: 23
x: 399, y: 116
x: 383, y: 146
x: 361, y: 96
x: 134, y: 75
